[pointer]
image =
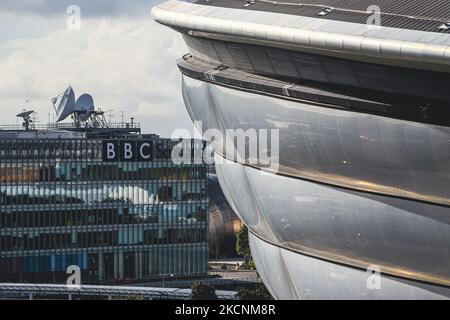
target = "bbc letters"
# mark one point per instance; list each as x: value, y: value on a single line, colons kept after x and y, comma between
x: 145, y: 150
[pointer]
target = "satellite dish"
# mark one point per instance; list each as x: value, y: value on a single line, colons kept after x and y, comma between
x: 84, y: 106
x: 66, y: 104
x: 25, y: 114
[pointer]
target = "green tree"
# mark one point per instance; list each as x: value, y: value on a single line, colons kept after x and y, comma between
x: 257, y: 292
x: 242, y: 245
x: 203, y: 291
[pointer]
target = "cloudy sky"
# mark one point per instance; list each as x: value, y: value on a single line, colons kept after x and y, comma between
x: 119, y: 55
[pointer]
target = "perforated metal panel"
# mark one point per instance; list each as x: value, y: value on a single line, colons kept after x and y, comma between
x: 404, y: 14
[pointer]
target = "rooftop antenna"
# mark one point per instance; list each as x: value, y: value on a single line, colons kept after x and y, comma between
x: 98, y: 119
x: 83, y: 110
x: 110, y: 114
x: 84, y: 106
x: 26, y: 116
x: 64, y: 104
x: 35, y: 118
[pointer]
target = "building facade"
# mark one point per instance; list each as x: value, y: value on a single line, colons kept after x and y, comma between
x: 118, y: 209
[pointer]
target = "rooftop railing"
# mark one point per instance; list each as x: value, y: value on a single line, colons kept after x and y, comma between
x: 71, y: 126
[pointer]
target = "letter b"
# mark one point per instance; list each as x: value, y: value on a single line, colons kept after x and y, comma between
x: 127, y: 151
x: 110, y: 152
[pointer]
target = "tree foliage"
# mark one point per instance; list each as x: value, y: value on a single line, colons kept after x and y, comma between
x: 203, y: 291
x: 257, y: 292
x: 242, y: 244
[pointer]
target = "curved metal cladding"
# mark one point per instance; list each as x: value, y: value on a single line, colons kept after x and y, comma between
x: 385, y: 45
x: 289, y: 276
x: 353, y: 188
x: 407, y: 238
x: 349, y: 149
x: 330, y: 71
x: 405, y: 14
x: 350, y: 228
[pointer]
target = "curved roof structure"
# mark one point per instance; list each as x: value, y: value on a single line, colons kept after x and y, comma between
x: 386, y: 45
x: 405, y: 14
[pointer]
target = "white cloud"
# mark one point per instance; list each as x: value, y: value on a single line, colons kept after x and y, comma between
x: 90, y: 8
x: 127, y: 64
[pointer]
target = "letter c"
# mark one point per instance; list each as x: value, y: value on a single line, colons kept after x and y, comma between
x: 145, y: 145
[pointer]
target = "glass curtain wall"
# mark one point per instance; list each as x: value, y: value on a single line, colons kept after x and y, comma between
x: 62, y: 204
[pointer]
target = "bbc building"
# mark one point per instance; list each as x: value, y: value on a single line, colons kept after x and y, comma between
x: 118, y: 208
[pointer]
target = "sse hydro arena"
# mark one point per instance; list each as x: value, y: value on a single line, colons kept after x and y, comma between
x: 364, y: 155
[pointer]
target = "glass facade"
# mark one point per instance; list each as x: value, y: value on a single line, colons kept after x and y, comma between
x: 62, y: 203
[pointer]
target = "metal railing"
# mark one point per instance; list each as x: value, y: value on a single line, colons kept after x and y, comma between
x: 62, y: 126
x: 36, y: 291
